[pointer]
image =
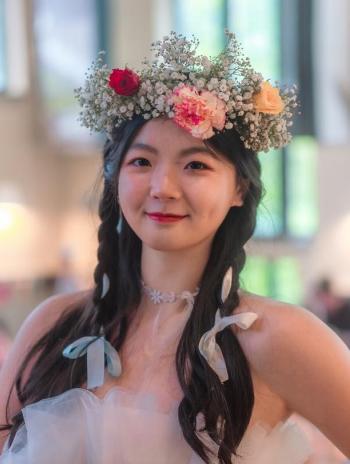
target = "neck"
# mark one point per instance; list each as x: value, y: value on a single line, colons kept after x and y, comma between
x: 174, y: 271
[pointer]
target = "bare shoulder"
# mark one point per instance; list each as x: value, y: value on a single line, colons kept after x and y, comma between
x: 303, y: 361
x: 48, y: 311
x: 40, y: 320
x: 277, y: 325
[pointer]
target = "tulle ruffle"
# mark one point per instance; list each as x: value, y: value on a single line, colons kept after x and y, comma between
x: 127, y: 428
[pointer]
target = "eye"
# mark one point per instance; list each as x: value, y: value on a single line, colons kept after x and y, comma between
x: 199, y: 166
x: 134, y: 161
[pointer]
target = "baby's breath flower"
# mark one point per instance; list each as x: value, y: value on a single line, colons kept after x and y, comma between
x: 200, y: 83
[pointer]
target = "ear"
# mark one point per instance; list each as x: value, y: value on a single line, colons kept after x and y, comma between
x: 240, y: 192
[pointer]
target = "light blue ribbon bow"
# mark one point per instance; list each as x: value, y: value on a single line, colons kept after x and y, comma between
x: 95, y: 348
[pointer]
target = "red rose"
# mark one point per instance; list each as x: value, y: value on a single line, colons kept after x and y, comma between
x: 124, y: 81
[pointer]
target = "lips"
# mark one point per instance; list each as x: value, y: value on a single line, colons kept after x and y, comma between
x: 164, y: 218
x: 168, y: 215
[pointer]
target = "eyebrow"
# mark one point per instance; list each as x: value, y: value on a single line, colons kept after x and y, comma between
x: 183, y: 153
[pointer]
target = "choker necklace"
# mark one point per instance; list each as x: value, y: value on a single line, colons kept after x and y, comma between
x: 157, y: 296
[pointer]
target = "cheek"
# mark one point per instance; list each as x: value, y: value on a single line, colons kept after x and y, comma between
x: 130, y: 190
x: 218, y: 212
x: 215, y: 201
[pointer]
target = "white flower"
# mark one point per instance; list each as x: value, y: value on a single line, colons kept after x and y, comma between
x: 155, y: 296
x: 122, y: 109
x: 200, y: 83
x: 206, y: 63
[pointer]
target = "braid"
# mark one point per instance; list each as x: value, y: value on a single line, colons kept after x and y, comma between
x: 107, y: 255
x: 115, y: 247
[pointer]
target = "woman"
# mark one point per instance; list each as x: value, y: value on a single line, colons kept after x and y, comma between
x: 167, y: 359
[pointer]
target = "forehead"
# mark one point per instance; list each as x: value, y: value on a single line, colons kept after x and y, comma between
x: 162, y: 132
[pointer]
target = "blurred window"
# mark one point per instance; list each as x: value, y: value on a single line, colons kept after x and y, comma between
x: 68, y: 36
x: 197, y: 17
x: 275, y: 278
x: 301, y: 187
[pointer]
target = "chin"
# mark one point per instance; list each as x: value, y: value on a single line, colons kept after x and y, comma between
x: 163, y: 245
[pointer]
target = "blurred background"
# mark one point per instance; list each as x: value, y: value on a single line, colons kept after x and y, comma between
x: 49, y: 165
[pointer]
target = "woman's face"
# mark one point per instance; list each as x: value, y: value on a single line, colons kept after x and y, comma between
x: 168, y: 171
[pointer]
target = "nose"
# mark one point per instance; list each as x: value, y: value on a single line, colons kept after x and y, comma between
x: 164, y: 184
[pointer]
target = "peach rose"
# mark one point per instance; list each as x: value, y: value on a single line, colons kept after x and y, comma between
x: 198, y: 113
x: 268, y: 100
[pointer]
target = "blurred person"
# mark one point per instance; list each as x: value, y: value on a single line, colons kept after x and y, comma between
x: 332, y: 308
x: 340, y: 317
x: 323, y: 301
x: 167, y: 359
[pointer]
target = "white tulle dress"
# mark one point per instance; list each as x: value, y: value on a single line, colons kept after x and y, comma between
x: 128, y: 425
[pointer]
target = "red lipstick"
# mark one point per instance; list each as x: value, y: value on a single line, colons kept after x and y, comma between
x: 160, y: 217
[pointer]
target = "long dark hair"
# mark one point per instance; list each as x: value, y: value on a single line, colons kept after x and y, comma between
x: 226, y: 407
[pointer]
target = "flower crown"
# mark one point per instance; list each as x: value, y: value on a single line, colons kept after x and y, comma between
x: 202, y: 95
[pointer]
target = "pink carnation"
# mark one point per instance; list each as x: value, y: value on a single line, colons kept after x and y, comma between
x: 198, y: 113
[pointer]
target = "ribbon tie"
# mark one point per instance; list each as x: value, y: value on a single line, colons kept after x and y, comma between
x: 211, y: 351
x: 189, y: 297
x: 96, y: 348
